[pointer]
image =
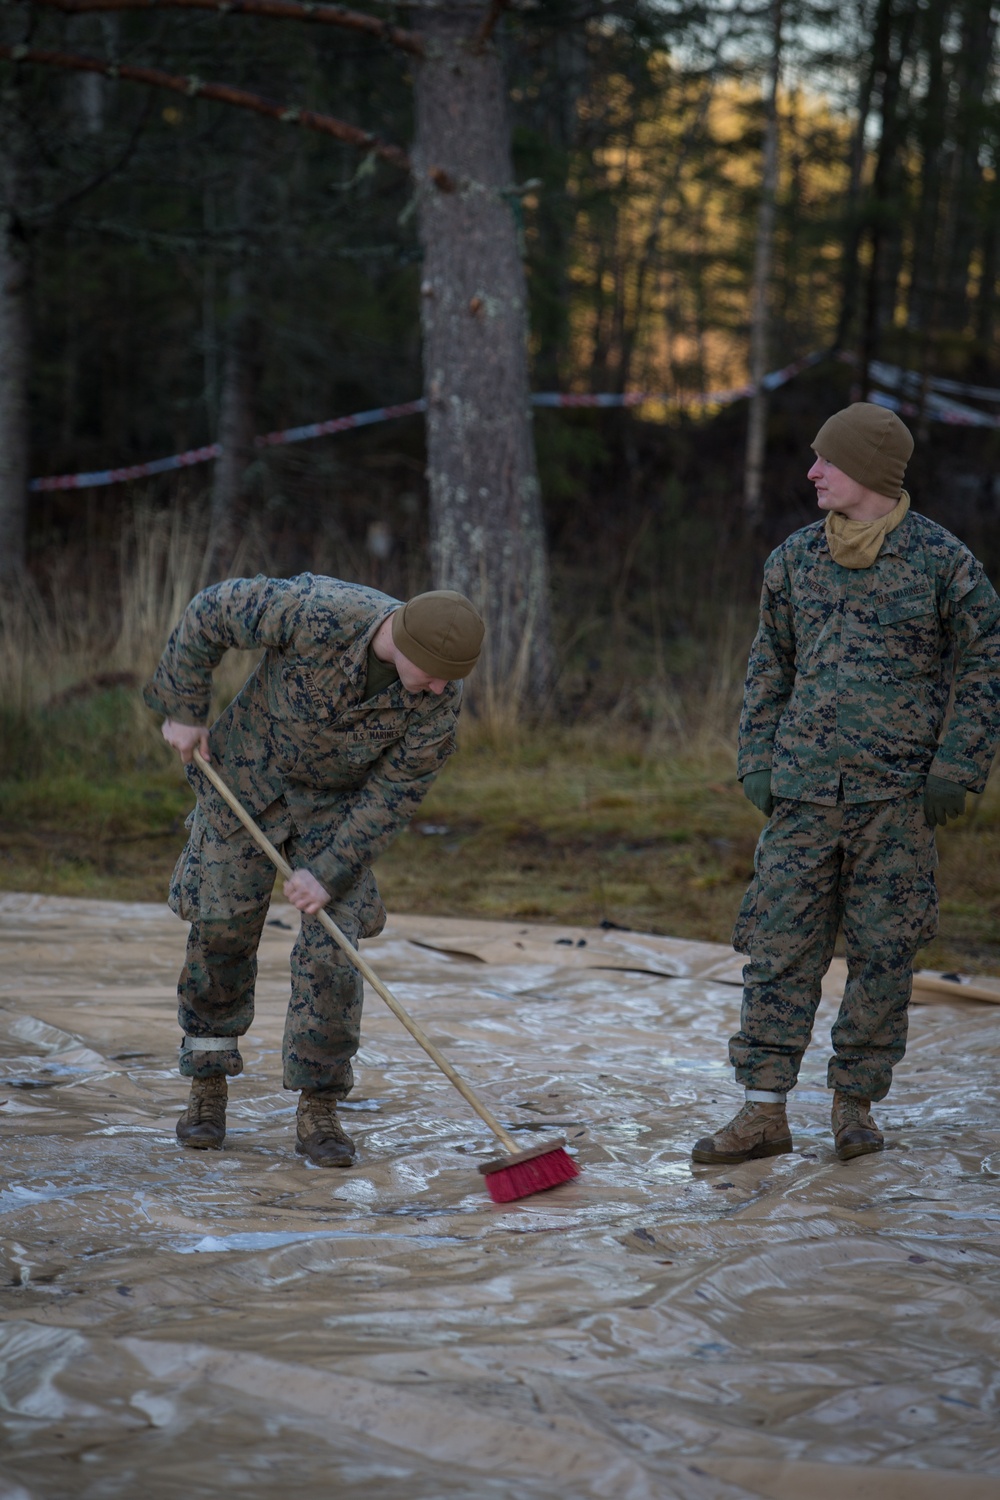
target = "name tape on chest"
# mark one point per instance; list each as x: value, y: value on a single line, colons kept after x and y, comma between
x: 893, y: 596
x: 375, y: 736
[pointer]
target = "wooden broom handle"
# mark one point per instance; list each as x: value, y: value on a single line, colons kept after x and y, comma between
x: 364, y: 968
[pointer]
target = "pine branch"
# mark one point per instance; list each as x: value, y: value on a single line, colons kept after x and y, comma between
x: 282, y: 10
x: 224, y: 93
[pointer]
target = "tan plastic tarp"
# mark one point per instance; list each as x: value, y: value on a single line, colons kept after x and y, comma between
x: 238, y: 1324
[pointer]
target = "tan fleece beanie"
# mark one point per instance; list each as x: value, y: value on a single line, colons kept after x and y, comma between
x: 870, y: 444
x: 440, y: 632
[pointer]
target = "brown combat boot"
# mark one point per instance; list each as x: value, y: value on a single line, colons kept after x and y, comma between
x: 758, y: 1130
x: 320, y: 1135
x: 202, y: 1126
x: 854, y: 1131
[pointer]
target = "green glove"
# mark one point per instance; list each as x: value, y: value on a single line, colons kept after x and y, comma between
x: 942, y: 800
x: 757, y: 789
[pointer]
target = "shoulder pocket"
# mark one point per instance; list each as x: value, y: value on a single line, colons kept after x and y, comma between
x: 905, y: 609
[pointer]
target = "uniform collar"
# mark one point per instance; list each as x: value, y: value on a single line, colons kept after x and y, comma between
x: 355, y: 659
x: 896, y: 542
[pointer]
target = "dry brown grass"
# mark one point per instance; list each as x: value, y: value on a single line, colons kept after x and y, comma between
x: 630, y: 815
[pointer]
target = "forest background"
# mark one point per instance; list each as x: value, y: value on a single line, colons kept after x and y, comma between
x: 575, y: 197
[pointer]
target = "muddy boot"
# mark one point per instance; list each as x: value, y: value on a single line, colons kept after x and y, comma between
x: 320, y: 1135
x: 202, y: 1126
x: 854, y: 1131
x: 758, y: 1130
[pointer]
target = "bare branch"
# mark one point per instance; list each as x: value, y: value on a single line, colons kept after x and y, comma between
x: 51, y: 210
x: 224, y: 93
x: 490, y: 20
x: 282, y: 10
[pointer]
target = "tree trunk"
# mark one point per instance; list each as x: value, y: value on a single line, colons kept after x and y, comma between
x: 932, y: 130
x: 853, y: 214
x: 487, y: 536
x: 890, y: 51
x: 236, y: 432
x: 15, y: 328
x: 870, y: 330
x: 556, y: 121
x: 930, y: 221
x: 760, y: 293
x: 975, y: 67
x: 985, y: 307
x: 236, y: 400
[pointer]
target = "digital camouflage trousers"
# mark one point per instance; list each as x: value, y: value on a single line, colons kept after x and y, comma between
x: 223, y: 888
x: 868, y: 866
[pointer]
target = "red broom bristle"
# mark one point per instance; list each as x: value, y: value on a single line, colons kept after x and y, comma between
x: 533, y: 1176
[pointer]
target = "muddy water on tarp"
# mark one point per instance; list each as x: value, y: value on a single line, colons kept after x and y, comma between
x: 234, y: 1323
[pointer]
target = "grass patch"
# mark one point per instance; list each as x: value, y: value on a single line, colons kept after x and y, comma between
x: 630, y: 814
x: 577, y: 826
x: 569, y: 828
x: 91, y: 803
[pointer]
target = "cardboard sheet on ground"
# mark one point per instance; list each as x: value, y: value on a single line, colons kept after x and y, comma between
x: 183, y: 1324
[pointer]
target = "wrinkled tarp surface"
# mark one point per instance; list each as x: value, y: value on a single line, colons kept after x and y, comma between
x: 239, y: 1324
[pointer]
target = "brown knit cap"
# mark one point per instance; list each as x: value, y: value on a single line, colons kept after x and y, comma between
x: 440, y: 632
x: 870, y: 444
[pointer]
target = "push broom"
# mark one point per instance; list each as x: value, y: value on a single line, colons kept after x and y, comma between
x: 515, y: 1175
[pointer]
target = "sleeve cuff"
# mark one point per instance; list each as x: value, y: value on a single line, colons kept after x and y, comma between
x: 750, y: 764
x: 183, y: 713
x: 961, y: 773
x: 334, y: 876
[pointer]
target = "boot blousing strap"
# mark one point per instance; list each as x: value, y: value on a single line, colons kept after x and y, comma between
x: 762, y: 1096
x: 210, y: 1044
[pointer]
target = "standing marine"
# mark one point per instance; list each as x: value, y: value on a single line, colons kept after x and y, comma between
x: 871, y: 707
x: 331, y: 745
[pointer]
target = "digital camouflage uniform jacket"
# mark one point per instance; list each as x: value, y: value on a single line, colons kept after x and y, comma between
x: 851, y: 669
x: 352, y: 770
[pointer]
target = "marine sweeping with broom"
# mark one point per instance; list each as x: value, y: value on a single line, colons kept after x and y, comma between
x: 319, y: 762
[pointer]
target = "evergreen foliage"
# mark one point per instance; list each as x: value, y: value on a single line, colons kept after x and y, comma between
x: 145, y: 217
